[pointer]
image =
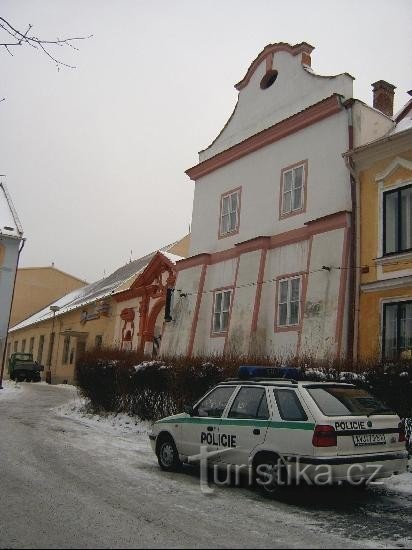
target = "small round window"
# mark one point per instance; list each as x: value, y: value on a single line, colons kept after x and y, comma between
x: 269, y: 79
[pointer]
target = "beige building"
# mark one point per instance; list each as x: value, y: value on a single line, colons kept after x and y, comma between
x: 37, y: 287
x: 85, y: 319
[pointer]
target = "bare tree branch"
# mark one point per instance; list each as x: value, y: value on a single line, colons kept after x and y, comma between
x: 27, y: 39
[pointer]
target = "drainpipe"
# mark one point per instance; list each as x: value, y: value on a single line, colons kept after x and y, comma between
x: 354, y: 273
x: 23, y: 242
x: 356, y: 250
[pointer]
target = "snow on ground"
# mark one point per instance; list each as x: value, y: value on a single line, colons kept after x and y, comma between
x: 123, y: 425
x: 119, y: 424
x: 10, y: 389
x: 401, y: 483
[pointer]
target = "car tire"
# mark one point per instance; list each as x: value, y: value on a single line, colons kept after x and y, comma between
x: 167, y: 454
x: 270, y: 482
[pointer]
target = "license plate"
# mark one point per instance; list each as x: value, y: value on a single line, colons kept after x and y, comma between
x: 369, y: 439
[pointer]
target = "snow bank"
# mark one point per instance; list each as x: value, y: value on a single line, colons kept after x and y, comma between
x: 120, y: 424
x: 10, y: 389
x: 401, y: 483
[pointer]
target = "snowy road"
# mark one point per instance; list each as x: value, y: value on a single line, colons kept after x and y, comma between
x: 71, y: 482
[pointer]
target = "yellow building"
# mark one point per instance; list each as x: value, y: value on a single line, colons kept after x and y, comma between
x: 82, y: 320
x: 383, y: 173
x: 37, y: 287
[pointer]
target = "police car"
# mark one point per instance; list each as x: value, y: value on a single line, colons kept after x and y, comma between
x: 328, y: 431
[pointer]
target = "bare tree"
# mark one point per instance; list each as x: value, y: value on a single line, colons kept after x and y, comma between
x: 18, y: 38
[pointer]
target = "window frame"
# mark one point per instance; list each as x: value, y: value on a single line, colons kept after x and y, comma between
x: 235, y: 231
x: 264, y: 396
x: 213, y: 332
x: 304, y: 418
x: 385, y: 193
x: 289, y: 277
x: 229, y: 402
x: 66, y: 350
x: 284, y: 171
x: 385, y: 304
x: 40, y: 348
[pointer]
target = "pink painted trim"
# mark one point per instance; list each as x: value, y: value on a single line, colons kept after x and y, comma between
x: 325, y: 108
x: 342, y: 290
x: 197, y: 309
x: 237, y: 190
x: 271, y: 49
x: 290, y: 328
x: 258, y: 294
x: 302, y: 210
x: 231, y: 303
x: 223, y: 333
x: 304, y: 293
x: 311, y: 228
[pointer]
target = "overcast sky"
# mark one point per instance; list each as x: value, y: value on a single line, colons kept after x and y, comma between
x: 95, y: 157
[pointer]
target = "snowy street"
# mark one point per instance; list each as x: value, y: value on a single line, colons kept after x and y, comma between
x: 72, y: 481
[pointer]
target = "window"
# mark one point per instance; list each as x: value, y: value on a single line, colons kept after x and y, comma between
x: 289, y: 301
x: 221, y: 310
x: 397, y: 220
x: 15, y: 346
x: 215, y: 403
x: 50, y: 354
x: 289, y: 406
x: 98, y: 341
x: 66, y: 350
x: 31, y: 346
x: 250, y: 403
x: 293, y: 190
x: 339, y: 401
x: 8, y: 350
x: 229, y: 213
x: 40, y: 349
x: 23, y: 346
x: 397, y: 329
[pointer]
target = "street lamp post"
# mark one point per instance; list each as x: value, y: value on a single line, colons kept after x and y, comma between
x: 54, y: 309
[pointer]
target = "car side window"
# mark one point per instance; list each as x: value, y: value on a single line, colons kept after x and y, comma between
x: 250, y: 403
x: 215, y: 403
x: 289, y: 406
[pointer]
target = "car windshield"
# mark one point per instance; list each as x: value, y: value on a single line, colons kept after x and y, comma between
x: 347, y: 401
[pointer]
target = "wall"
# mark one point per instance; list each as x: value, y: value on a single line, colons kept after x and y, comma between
x: 259, y: 176
x: 9, y: 252
x: 70, y: 321
x: 38, y: 287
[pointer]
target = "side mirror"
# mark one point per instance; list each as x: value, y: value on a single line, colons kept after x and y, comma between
x: 188, y: 409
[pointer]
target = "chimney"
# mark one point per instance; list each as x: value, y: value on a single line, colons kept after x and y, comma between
x: 383, y: 95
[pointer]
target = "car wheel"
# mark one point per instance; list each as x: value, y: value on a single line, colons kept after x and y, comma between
x: 167, y: 454
x: 269, y: 474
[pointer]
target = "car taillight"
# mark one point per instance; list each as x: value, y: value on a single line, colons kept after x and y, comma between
x: 324, y: 436
x: 402, y: 433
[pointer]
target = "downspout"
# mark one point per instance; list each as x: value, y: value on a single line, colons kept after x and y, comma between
x: 23, y: 242
x: 356, y: 249
x: 353, y: 289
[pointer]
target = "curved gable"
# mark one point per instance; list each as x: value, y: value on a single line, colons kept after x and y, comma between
x: 295, y: 87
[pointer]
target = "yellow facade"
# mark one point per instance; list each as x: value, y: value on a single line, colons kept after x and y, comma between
x: 37, y: 287
x: 79, y: 335
x: 385, y: 279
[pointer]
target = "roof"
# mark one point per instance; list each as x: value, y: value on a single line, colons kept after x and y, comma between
x: 9, y: 221
x: 94, y: 292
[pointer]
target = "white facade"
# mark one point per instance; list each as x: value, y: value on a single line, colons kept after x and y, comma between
x: 286, y: 268
x: 11, y: 235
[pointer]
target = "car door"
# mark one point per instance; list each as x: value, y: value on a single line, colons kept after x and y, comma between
x: 244, y: 426
x: 202, y: 428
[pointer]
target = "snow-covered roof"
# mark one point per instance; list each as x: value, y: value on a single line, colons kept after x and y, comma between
x: 405, y: 123
x: 172, y: 257
x: 113, y: 284
x: 9, y: 221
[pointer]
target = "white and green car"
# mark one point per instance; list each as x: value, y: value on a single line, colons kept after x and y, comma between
x: 303, y: 431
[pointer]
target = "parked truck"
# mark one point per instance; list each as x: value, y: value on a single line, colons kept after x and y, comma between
x: 22, y: 368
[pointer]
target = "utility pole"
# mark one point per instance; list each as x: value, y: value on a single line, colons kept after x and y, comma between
x: 54, y: 309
